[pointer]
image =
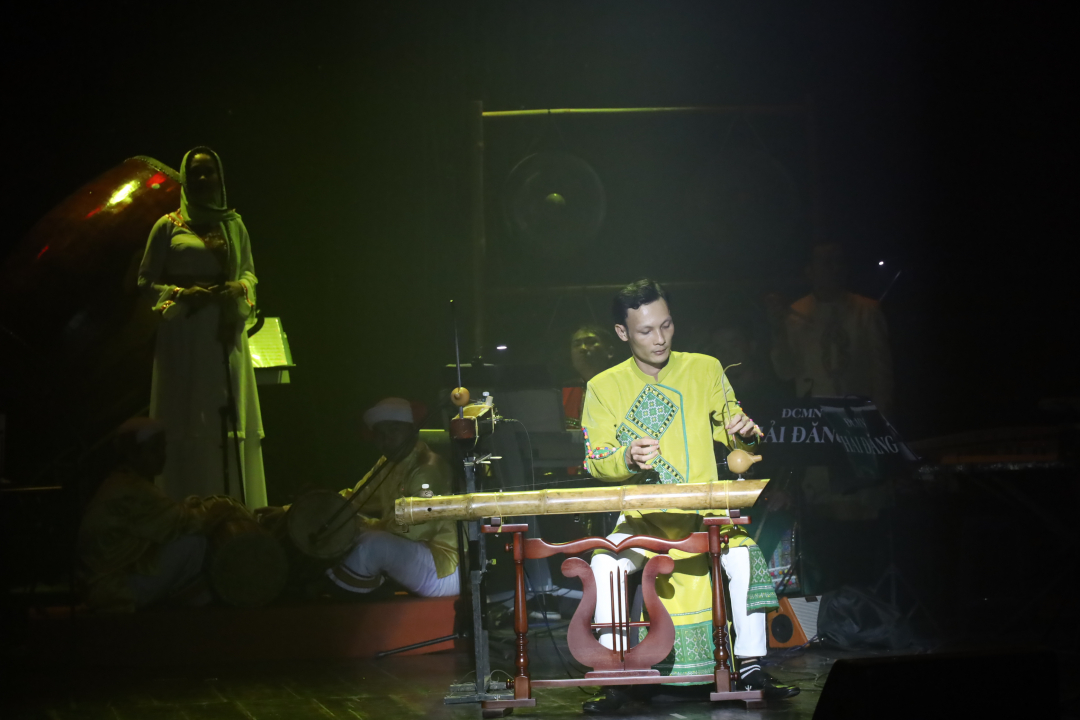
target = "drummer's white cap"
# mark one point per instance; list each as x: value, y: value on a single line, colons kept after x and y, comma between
x: 135, y: 432
x: 392, y: 408
x: 138, y: 430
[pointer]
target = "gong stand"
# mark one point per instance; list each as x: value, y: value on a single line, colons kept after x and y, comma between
x: 622, y: 665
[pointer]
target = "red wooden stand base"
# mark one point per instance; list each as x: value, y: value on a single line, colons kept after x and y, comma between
x: 622, y: 665
x: 753, y: 698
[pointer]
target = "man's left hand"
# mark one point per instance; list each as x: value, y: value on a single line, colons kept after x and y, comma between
x: 742, y: 425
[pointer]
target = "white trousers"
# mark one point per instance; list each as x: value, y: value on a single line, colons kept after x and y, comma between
x: 409, y: 562
x: 751, y: 639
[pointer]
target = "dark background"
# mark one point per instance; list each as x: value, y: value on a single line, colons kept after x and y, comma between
x: 941, y: 137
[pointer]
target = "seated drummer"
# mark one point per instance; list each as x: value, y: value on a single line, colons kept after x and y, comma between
x: 654, y: 418
x: 136, y: 545
x: 422, y: 558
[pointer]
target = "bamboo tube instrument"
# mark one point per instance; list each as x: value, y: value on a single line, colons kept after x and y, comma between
x: 713, y: 495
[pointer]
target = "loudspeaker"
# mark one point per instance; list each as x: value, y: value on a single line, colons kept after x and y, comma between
x: 946, y: 686
x: 784, y: 627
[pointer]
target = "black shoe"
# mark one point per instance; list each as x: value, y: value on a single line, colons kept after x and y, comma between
x: 609, y: 700
x: 772, y: 688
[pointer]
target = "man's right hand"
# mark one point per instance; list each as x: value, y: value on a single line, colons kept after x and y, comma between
x: 641, y: 452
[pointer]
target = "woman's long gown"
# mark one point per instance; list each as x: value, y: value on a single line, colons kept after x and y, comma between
x: 189, y: 389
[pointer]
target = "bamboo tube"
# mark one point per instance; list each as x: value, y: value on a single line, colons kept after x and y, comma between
x: 703, y: 109
x: 713, y: 495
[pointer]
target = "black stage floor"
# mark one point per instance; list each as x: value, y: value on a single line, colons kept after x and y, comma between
x: 400, y: 687
x: 388, y: 689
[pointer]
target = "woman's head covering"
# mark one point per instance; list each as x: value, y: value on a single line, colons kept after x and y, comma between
x: 200, y: 213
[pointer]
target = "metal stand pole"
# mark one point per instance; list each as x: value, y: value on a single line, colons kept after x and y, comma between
x: 481, y: 689
x: 414, y: 646
x: 229, y: 412
x: 479, y: 237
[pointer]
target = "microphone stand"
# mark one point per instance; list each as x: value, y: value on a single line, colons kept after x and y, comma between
x: 230, y: 413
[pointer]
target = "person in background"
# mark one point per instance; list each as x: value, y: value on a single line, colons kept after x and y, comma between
x: 198, y: 273
x: 422, y: 558
x: 732, y: 342
x: 138, y: 547
x: 832, y: 343
x: 592, y: 350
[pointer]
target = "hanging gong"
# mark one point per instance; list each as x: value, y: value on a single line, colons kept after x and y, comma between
x: 554, y: 199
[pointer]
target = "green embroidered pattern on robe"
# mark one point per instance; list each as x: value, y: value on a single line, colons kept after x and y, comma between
x: 692, y: 653
x: 652, y: 412
x: 668, y: 474
x: 761, y: 597
x: 625, y: 434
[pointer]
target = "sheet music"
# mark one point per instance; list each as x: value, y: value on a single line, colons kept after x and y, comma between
x: 270, y: 346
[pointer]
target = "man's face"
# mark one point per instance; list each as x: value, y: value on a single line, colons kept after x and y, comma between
x: 204, y: 180
x: 148, y: 457
x: 589, y: 354
x: 648, y: 331
x: 395, y: 439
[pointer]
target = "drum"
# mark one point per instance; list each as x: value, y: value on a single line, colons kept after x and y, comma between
x: 307, y: 524
x: 246, y: 565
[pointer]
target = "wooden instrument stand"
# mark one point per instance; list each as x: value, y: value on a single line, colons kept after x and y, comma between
x: 621, y: 666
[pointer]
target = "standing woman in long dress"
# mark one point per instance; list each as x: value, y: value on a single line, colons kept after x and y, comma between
x: 197, y: 270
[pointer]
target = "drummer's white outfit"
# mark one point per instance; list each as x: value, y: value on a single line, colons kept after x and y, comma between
x: 408, y: 562
x: 423, y: 558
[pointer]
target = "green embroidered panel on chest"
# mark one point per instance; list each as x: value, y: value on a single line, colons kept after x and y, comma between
x: 667, y: 472
x: 652, y: 412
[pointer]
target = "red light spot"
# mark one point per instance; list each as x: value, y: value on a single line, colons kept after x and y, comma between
x: 94, y: 212
x: 156, y: 179
x: 43, y: 251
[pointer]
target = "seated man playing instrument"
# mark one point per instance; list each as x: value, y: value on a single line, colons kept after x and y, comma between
x: 423, y: 558
x: 655, y: 417
x: 136, y: 545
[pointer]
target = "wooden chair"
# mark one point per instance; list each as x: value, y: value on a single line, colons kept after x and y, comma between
x: 623, y: 665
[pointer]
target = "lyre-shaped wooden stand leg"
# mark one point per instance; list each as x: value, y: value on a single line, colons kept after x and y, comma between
x: 725, y: 670
x: 522, y: 687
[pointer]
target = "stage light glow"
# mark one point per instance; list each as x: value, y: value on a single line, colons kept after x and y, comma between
x: 881, y: 262
x: 123, y: 193
x: 500, y: 347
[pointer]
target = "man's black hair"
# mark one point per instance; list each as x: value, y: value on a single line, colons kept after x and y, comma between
x: 634, y: 295
x: 601, y: 331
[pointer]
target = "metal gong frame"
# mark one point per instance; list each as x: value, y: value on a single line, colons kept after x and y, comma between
x: 478, y: 116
